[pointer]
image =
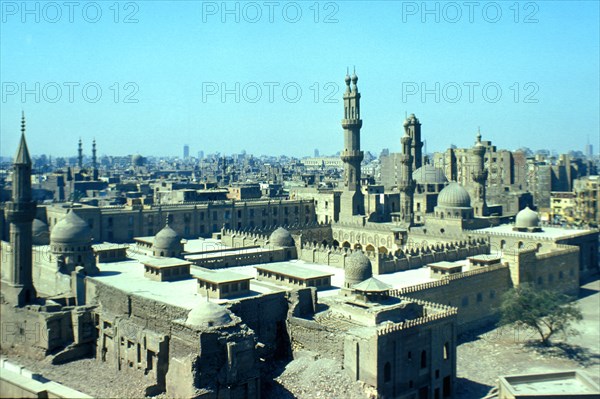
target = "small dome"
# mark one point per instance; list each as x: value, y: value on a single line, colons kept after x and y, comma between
x: 40, y: 232
x: 354, y: 78
x: 281, y: 238
x: 454, y: 196
x: 527, y: 219
x: 429, y: 174
x: 137, y: 160
x: 358, y: 268
x: 71, y: 229
x: 209, y: 314
x: 167, y: 238
x: 347, y: 79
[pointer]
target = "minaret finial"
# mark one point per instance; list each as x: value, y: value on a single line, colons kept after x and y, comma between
x: 22, y: 122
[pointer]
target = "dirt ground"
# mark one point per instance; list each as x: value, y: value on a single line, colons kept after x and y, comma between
x: 507, y: 351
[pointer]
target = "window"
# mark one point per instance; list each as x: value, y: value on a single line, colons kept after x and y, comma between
x: 446, y: 351
x: 479, y: 297
x: 540, y: 280
x: 387, y: 372
x: 423, y: 359
x: 465, y: 301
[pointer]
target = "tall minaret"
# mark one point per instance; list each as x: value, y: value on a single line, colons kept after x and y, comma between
x: 412, y: 127
x: 351, y: 201
x: 80, y: 155
x: 479, y: 176
x: 18, y: 284
x: 406, y: 184
x: 94, y: 162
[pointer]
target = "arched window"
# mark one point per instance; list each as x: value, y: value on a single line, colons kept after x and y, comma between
x: 387, y: 372
x: 423, y: 359
x: 446, y: 351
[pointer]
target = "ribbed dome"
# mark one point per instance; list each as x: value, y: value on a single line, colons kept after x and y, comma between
x: 454, y: 196
x: 358, y: 268
x: 209, y: 314
x: 71, y: 229
x: 167, y: 238
x: 40, y: 232
x: 281, y: 238
x: 527, y: 219
x: 429, y: 174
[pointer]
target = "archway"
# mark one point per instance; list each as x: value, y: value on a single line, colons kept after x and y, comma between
x: 383, y: 250
x: 357, y: 246
x: 370, y: 248
x: 346, y: 244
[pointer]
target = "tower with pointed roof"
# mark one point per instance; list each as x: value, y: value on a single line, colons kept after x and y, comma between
x: 479, y: 176
x: 406, y: 185
x: 94, y: 162
x: 20, y: 212
x: 412, y: 128
x: 80, y: 155
x: 352, y: 201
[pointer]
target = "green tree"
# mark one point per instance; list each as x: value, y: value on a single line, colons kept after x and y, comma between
x: 545, y: 311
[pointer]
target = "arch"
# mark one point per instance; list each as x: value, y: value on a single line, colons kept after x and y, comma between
x: 370, y: 247
x: 336, y: 243
x: 324, y: 242
x: 502, y: 244
x: 520, y: 245
x: 383, y: 250
x: 357, y: 246
x: 346, y: 244
x: 446, y: 351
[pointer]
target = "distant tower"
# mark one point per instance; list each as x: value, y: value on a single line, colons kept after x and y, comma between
x: 80, y: 155
x: 479, y: 176
x: 316, y: 152
x: 94, y: 162
x: 406, y: 185
x: 412, y: 127
x: 352, y: 201
x: 20, y: 212
x: 186, y: 152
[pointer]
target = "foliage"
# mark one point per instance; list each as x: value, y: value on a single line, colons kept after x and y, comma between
x: 545, y: 311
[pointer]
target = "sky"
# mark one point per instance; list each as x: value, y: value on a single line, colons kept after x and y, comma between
x: 268, y: 76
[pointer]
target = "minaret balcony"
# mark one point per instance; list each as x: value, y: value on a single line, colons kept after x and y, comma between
x: 352, y: 155
x: 351, y: 123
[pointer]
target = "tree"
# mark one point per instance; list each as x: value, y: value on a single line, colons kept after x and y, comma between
x: 545, y: 311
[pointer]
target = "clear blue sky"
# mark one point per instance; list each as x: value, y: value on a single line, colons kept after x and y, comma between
x: 178, y: 51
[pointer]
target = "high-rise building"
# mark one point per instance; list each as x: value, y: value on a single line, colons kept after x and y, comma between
x: 186, y: 151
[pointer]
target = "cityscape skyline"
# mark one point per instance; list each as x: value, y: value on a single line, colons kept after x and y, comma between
x: 538, y: 80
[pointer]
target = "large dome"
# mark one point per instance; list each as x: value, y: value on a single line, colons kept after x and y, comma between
x: 527, y: 219
x: 454, y: 196
x: 358, y: 268
x: 71, y: 229
x: 429, y: 174
x: 209, y: 314
x: 281, y: 238
x: 40, y: 232
x: 167, y: 238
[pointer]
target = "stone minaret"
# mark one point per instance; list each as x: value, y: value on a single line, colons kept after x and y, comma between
x: 94, y: 162
x: 479, y: 175
x: 80, y: 155
x: 351, y: 201
x: 412, y: 127
x: 18, y: 284
x: 406, y: 184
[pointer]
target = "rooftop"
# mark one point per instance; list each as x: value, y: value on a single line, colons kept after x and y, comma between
x: 219, y: 276
x: 162, y: 263
x: 294, y: 271
x: 548, y: 232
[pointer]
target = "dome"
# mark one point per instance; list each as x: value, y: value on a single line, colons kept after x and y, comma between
x: 71, y: 229
x: 358, y: 268
x: 429, y: 174
x: 167, y: 238
x: 209, y: 314
x: 281, y: 238
x: 527, y: 219
x: 454, y: 196
x: 137, y: 160
x: 39, y: 232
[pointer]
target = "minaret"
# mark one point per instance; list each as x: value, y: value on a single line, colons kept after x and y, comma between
x: 412, y: 127
x: 479, y: 176
x: 80, y: 155
x: 18, y: 284
x: 94, y: 164
x: 352, y: 201
x: 406, y: 185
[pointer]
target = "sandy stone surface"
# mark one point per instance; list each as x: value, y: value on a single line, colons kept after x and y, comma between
x: 505, y: 351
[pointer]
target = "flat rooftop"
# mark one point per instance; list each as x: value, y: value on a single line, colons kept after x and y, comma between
x: 294, y: 271
x: 220, y: 276
x: 164, y: 263
x: 547, y: 231
x: 560, y: 383
x: 226, y: 253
